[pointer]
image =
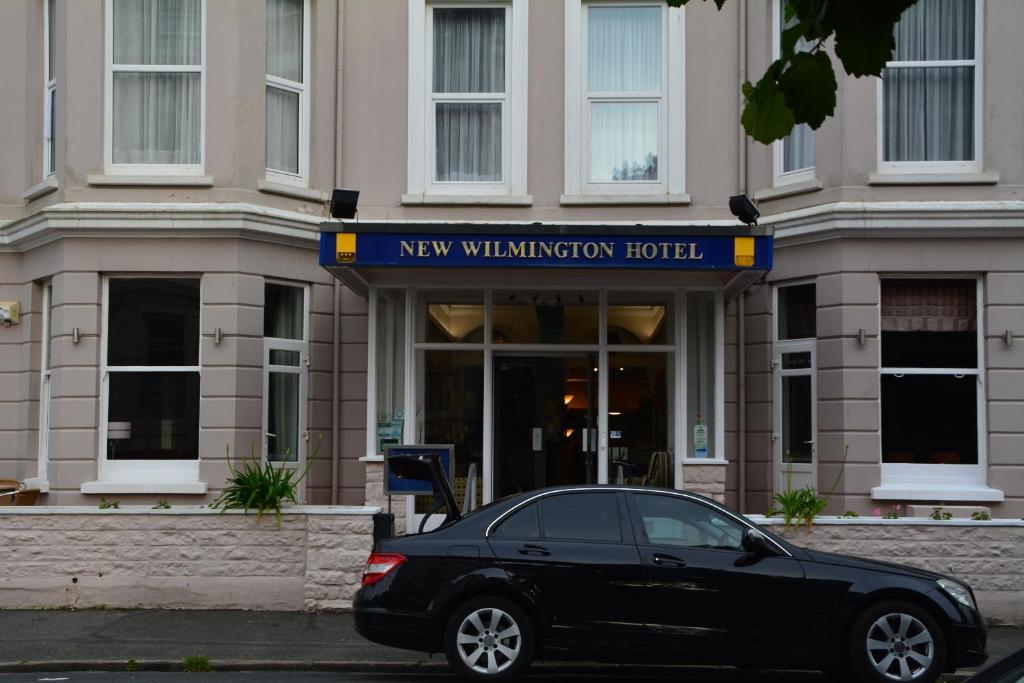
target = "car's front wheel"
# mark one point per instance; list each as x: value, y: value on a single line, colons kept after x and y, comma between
x: 489, y: 639
x: 896, y: 641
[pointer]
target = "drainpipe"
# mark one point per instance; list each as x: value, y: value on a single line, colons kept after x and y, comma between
x: 741, y: 308
x: 336, y: 327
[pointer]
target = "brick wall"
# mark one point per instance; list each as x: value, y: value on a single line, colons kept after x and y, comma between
x: 183, y: 558
x: 987, y: 555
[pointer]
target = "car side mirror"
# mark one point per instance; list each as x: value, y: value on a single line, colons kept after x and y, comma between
x: 755, y: 543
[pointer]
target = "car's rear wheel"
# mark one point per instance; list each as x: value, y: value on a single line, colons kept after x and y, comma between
x: 489, y: 639
x: 896, y: 641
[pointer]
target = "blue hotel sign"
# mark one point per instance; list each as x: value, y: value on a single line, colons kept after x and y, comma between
x: 460, y: 250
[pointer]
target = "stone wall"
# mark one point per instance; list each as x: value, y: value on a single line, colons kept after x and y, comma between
x: 189, y: 557
x: 987, y: 555
x: 705, y: 479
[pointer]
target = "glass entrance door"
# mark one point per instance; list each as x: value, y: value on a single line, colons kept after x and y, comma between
x: 545, y: 422
x: 796, y: 420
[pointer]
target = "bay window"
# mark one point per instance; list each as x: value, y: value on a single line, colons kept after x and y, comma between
x: 624, y: 101
x: 150, y: 380
x: 932, y: 389
x: 285, y: 373
x: 467, y: 102
x: 930, y: 93
x: 155, y: 83
x: 287, y: 91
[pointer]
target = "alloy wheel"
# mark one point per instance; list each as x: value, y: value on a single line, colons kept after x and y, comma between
x: 488, y: 641
x: 900, y: 647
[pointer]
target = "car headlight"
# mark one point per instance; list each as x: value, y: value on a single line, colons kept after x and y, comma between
x: 958, y: 592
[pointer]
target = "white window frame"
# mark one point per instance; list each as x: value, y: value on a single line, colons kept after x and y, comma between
x: 301, y: 346
x: 671, y: 185
x: 974, y: 166
x: 805, y: 474
x: 780, y: 176
x: 940, y: 482
x: 301, y: 179
x: 152, y: 472
x: 420, y: 182
x: 41, y: 480
x: 108, y: 111
x: 49, y: 93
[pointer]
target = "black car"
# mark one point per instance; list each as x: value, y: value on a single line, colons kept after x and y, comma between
x: 643, y: 575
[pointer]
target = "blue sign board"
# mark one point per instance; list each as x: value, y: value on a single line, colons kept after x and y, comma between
x: 396, y: 486
x: 467, y: 250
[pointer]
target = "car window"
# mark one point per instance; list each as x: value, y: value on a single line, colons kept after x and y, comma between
x: 522, y: 524
x: 581, y: 517
x: 671, y: 520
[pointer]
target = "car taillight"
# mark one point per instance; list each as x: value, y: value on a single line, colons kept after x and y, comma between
x: 380, y: 565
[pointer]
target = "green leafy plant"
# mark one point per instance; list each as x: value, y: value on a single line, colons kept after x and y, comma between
x: 162, y: 505
x: 938, y: 513
x: 260, y: 486
x: 109, y: 504
x: 850, y: 513
x: 981, y: 516
x: 131, y: 665
x: 196, y: 664
x: 891, y: 513
x: 803, y: 505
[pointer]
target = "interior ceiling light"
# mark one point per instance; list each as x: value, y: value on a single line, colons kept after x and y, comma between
x: 569, y: 398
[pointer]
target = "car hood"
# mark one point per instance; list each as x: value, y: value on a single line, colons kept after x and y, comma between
x: 874, y: 565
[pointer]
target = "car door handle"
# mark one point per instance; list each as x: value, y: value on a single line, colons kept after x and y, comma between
x: 530, y: 549
x: 668, y: 561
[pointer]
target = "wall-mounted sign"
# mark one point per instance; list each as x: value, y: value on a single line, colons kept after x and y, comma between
x: 467, y: 250
x: 397, y: 486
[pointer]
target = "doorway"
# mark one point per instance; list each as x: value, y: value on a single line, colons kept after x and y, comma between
x: 796, y: 416
x: 545, y: 421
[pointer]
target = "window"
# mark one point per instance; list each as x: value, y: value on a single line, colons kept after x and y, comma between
x: 797, y: 312
x: 794, y: 154
x: 155, y: 83
x: 285, y: 376
x: 49, y: 89
x: 150, y: 379
x: 931, y: 382
x: 581, y: 517
x: 46, y: 371
x: 468, y: 127
x: 930, y: 93
x: 522, y: 524
x: 624, y: 81
x: 702, y: 311
x: 675, y: 521
x: 287, y: 90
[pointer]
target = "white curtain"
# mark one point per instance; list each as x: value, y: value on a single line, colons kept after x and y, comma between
x: 929, y: 111
x: 156, y: 117
x: 284, y: 60
x: 798, y: 149
x: 624, y: 56
x: 624, y: 49
x: 623, y: 141
x: 929, y: 305
x: 469, y: 57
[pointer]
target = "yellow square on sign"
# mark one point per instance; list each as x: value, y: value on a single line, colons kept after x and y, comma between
x: 345, y: 247
x: 743, y: 253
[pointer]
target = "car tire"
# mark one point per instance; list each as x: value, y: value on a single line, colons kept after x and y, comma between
x: 489, y: 638
x: 896, y: 641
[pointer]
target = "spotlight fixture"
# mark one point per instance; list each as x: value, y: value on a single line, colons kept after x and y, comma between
x: 744, y: 209
x: 343, y: 203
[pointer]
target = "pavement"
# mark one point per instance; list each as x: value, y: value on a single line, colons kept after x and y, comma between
x: 159, y: 640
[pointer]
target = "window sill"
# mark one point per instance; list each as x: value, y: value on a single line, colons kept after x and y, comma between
x: 624, y: 199
x: 372, y: 458
x: 149, y: 180
x: 41, y: 189
x: 467, y: 199
x: 937, y: 492
x: 704, y: 461
x: 197, y: 488
x: 788, y: 190
x: 897, y: 178
x: 286, y: 190
x: 33, y: 483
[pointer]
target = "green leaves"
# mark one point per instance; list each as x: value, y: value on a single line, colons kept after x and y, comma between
x: 766, y: 116
x: 261, y: 486
x: 809, y: 86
